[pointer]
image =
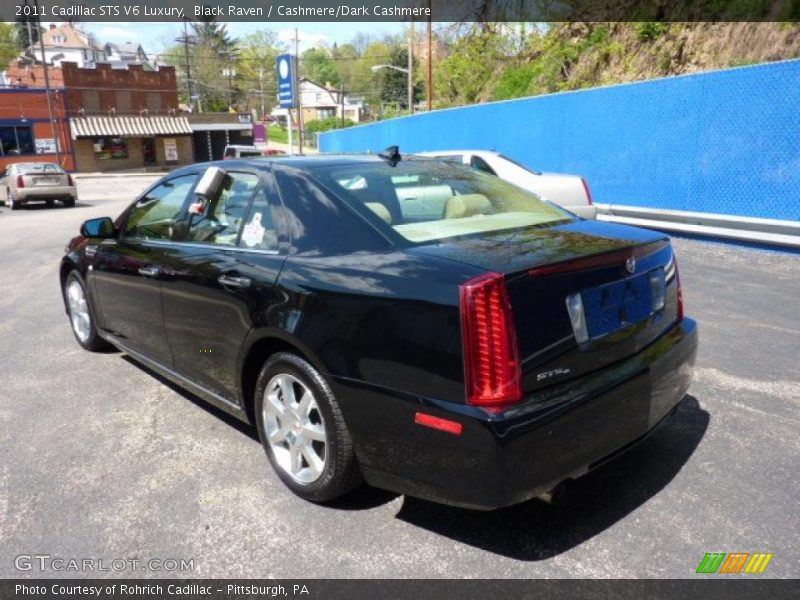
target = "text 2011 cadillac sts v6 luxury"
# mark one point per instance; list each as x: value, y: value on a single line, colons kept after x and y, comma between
x: 410, y: 322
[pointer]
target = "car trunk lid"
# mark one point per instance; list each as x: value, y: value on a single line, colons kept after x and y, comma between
x: 583, y: 295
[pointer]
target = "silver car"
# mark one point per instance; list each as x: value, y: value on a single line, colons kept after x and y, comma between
x: 568, y: 191
x: 37, y: 182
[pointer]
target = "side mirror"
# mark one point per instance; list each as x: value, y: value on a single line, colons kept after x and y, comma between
x: 98, y: 228
x: 210, y: 183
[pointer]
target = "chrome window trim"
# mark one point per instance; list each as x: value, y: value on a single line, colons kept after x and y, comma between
x: 179, y: 244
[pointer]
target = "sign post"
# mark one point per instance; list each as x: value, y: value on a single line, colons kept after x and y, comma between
x: 287, y: 91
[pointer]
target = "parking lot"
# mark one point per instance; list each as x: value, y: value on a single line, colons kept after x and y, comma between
x: 103, y: 459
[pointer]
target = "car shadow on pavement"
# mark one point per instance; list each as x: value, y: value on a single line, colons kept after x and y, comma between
x: 240, y: 426
x: 535, y: 530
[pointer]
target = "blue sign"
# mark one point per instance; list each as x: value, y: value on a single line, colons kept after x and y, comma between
x: 286, y: 91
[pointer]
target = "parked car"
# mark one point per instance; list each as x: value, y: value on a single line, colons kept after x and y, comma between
x: 568, y: 191
x: 475, y: 348
x: 237, y: 151
x: 37, y: 182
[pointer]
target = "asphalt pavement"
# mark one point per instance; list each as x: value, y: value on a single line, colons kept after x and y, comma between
x: 101, y: 459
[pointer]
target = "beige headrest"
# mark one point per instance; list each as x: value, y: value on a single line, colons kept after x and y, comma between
x: 380, y: 210
x: 467, y: 205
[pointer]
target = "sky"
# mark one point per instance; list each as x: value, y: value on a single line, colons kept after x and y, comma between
x: 154, y: 37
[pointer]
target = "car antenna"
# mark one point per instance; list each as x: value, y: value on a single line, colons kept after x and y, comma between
x: 391, y: 155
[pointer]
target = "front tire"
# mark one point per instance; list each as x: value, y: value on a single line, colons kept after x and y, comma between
x: 80, y: 315
x: 303, y: 431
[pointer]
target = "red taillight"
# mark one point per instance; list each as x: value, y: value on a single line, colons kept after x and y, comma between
x: 20, y: 181
x: 70, y: 181
x: 491, y: 361
x: 588, y: 191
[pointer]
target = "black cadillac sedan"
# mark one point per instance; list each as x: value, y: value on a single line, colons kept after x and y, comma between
x: 408, y: 322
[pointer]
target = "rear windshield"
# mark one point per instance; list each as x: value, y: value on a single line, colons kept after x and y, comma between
x: 248, y: 153
x: 431, y: 200
x: 39, y: 168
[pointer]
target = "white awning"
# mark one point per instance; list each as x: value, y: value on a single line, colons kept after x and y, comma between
x: 127, y: 127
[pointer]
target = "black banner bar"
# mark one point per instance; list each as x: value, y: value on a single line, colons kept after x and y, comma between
x: 403, y: 10
x: 730, y: 588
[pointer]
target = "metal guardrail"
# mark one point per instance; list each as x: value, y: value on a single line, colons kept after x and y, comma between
x: 731, y: 227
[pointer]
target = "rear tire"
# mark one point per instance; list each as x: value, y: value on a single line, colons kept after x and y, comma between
x: 80, y: 315
x: 49, y: 203
x: 69, y: 202
x: 12, y: 204
x: 303, y: 431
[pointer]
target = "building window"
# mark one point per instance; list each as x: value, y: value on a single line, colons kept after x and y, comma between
x: 154, y: 101
x: 59, y: 39
x: 106, y: 148
x: 16, y: 141
x: 91, y: 100
x: 325, y: 113
x: 124, y: 104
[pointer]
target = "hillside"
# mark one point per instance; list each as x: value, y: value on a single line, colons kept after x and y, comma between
x: 507, y: 61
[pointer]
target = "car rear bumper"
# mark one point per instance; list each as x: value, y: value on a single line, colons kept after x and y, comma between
x: 503, y: 459
x: 55, y: 192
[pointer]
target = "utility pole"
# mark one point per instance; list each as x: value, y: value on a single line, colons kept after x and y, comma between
x: 261, y: 88
x: 53, y: 121
x: 187, y: 64
x: 430, y: 59
x: 230, y: 81
x: 341, y: 102
x: 411, y: 68
x: 298, y: 92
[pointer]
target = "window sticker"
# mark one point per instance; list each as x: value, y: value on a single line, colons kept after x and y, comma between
x: 253, y: 232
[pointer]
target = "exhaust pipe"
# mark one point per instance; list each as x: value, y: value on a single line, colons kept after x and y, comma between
x: 557, y: 493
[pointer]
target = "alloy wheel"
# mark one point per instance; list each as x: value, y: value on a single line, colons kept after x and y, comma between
x: 295, y: 429
x: 79, y: 311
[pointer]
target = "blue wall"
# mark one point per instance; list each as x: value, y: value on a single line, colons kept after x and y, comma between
x: 725, y: 142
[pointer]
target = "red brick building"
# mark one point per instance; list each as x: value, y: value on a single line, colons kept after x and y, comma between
x: 26, y: 132
x: 107, y: 118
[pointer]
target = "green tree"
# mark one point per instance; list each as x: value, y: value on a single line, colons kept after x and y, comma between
x: 317, y: 65
x: 463, y: 76
x: 9, y: 48
x: 257, y: 63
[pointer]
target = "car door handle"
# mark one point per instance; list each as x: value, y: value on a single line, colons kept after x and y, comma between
x: 232, y: 281
x: 149, y: 271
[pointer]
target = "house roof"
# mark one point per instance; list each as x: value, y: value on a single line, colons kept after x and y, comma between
x: 73, y: 38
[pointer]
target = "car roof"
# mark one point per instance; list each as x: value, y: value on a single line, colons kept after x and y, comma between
x: 454, y: 152
x: 294, y: 160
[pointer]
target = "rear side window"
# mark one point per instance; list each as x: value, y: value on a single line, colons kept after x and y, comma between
x: 222, y: 218
x: 155, y: 215
x: 317, y: 223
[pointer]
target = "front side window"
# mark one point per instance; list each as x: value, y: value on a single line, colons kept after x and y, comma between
x: 430, y: 200
x: 259, y: 228
x: 155, y: 215
x: 221, y: 219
